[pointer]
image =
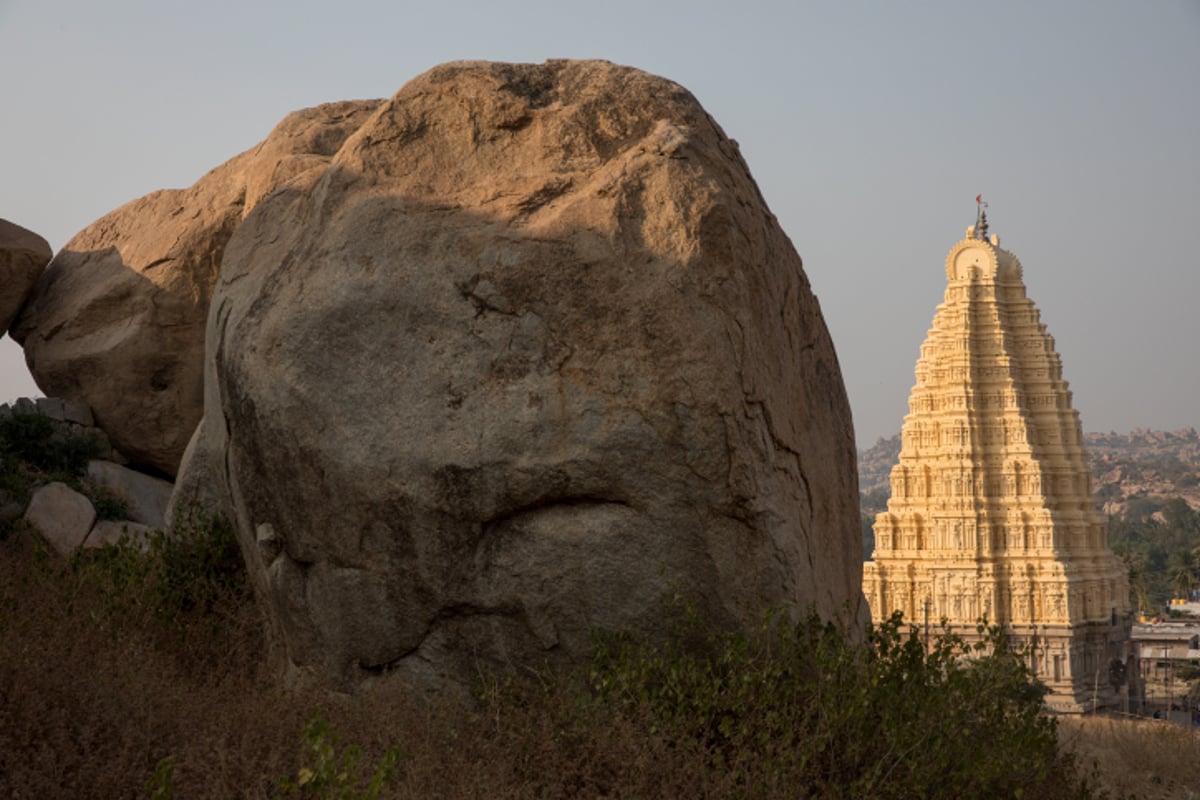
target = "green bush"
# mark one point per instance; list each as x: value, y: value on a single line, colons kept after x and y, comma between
x: 161, y: 785
x: 177, y: 580
x: 325, y: 774
x: 44, y: 444
x: 108, y: 503
x: 801, y: 709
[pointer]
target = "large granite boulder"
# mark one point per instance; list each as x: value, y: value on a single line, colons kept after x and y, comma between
x: 23, y: 256
x: 529, y: 355
x: 117, y: 318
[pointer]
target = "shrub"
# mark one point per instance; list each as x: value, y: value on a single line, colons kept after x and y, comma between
x: 325, y: 774
x: 800, y: 706
x: 92, y: 700
x: 161, y: 785
x: 108, y: 503
x: 46, y: 445
x: 186, y: 584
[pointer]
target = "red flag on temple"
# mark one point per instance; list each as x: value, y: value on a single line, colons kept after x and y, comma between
x: 978, y: 198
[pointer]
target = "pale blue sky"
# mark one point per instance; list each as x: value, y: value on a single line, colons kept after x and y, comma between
x: 869, y: 126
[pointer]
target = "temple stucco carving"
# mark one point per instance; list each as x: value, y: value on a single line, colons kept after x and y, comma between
x: 991, y: 513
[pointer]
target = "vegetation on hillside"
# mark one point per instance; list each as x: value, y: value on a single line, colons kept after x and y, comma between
x: 1160, y: 543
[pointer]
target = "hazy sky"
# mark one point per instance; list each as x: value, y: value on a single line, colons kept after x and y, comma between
x: 870, y: 128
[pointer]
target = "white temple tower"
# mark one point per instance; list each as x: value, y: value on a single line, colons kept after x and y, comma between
x: 991, y: 513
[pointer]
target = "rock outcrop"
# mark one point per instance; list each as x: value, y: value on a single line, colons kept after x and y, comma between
x: 67, y: 519
x: 528, y: 355
x: 117, y: 318
x: 23, y: 256
x: 72, y: 418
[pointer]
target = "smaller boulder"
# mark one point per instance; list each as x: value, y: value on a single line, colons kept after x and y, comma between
x: 147, y: 495
x: 109, y: 532
x: 117, y: 317
x: 65, y: 410
x: 23, y: 256
x: 62, y: 515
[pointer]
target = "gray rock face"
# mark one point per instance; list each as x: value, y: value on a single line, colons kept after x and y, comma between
x: 117, y: 318
x: 62, y: 410
x: 63, y: 515
x: 530, y: 354
x: 23, y: 256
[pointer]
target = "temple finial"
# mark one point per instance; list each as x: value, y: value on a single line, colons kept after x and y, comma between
x: 981, y: 223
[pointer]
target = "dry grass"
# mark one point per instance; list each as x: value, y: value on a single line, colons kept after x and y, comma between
x: 89, y: 705
x: 1140, y: 758
x: 96, y: 690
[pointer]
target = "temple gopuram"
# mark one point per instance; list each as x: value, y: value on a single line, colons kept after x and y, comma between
x: 991, y: 513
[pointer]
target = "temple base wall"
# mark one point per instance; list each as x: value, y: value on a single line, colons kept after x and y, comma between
x: 1073, y: 662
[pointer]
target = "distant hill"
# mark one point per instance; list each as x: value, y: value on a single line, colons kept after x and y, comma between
x: 1133, y: 474
x: 874, y: 469
x: 1144, y: 465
